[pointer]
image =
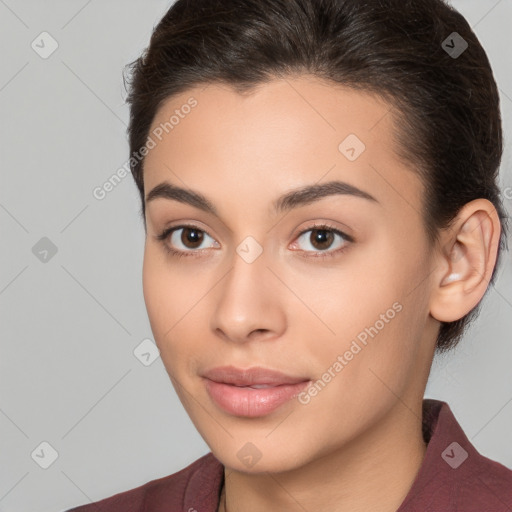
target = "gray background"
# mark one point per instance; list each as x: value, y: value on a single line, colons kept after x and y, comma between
x: 70, y: 324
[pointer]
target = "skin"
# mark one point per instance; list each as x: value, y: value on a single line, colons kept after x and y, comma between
x: 357, y: 445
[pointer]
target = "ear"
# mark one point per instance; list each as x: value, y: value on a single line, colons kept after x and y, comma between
x: 465, y: 262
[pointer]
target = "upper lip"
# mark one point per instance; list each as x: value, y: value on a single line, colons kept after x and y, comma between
x: 251, y: 376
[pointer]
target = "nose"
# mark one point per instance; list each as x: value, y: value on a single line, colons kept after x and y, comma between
x: 249, y: 302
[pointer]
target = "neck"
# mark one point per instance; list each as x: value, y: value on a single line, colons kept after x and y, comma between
x: 373, y: 472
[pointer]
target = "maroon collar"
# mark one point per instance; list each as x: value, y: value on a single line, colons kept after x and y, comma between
x: 454, y: 476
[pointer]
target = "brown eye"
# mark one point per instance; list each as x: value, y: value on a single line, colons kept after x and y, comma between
x: 186, y: 240
x: 191, y: 237
x: 321, y: 238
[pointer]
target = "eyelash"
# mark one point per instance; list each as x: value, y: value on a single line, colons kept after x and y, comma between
x: 162, y: 237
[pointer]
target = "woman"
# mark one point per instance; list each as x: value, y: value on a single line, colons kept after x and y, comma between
x: 319, y: 192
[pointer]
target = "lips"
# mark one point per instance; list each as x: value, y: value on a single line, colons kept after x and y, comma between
x: 255, y: 377
x: 253, y: 392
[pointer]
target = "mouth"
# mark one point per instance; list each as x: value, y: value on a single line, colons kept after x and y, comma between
x: 253, y: 392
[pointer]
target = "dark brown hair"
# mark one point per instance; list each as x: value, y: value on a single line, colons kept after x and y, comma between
x: 445, y: 106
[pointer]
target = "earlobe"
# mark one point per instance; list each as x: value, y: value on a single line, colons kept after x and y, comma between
x: 466, y: 267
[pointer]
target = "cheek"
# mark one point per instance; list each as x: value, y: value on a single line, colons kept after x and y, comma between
x: 373, y: 315
x: 158, y: 293
x: 169, y: 297
x: 349, y: 298
x: 175, y: 302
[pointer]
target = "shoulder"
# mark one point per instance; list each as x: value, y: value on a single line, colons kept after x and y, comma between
x: 487, y: 483
x: 454, y: 476
x: 478, y: 482
x: 195, y: 486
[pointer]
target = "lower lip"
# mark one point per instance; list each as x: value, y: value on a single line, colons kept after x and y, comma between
x: 249, y: 402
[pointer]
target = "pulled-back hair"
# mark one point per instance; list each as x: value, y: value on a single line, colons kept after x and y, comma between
x: 445, y: 106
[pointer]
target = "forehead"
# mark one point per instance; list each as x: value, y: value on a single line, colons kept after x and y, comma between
x: 304, y: 104
x: 283, y: 134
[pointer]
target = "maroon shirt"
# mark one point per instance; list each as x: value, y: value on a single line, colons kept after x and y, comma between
x: 453, y: 477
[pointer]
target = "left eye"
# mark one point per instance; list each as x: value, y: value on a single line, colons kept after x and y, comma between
x: 321, y: 238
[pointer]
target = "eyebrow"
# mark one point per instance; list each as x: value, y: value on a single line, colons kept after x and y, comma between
x: 294, y: 199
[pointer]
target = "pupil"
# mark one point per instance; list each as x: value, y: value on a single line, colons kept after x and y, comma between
x: 323, y: 237
x: 191, y: 236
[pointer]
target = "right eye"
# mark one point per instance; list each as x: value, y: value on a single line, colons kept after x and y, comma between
x: 184, y: 240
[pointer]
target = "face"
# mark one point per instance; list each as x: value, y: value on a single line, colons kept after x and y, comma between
x: 329, y: 286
